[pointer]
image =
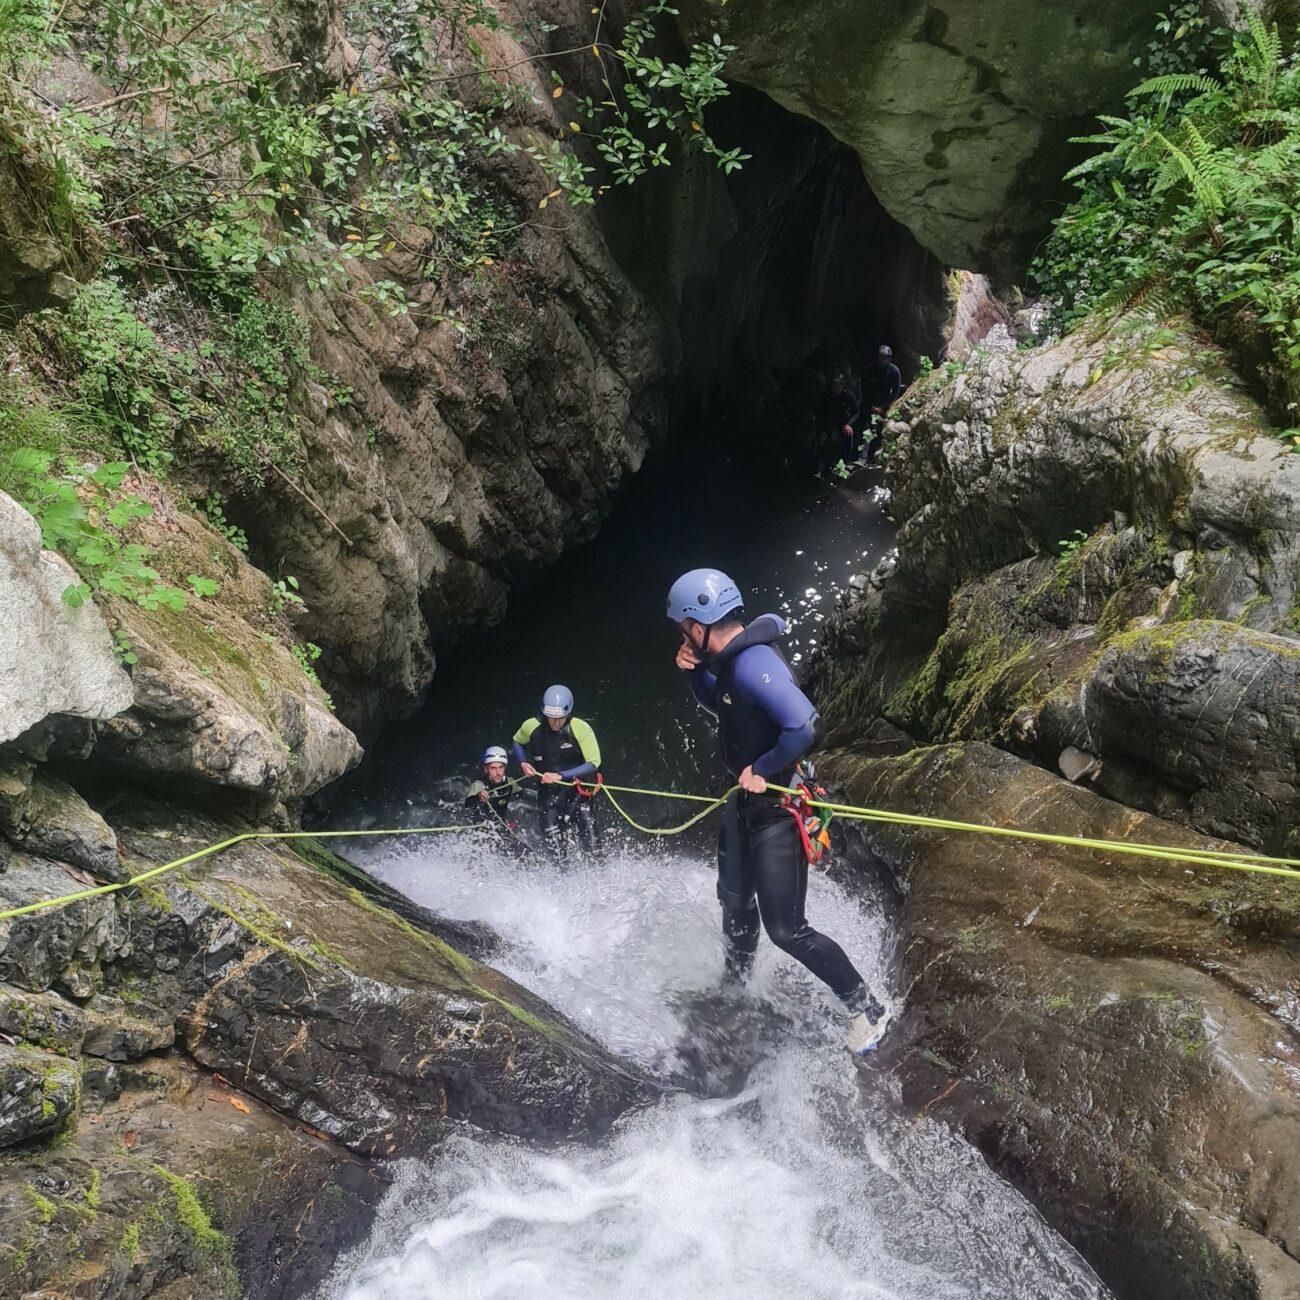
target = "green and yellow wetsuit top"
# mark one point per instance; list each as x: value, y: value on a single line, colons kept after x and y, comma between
x: 572, y: 752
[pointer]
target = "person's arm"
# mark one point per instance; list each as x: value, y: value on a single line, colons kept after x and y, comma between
x: 475, y: 794
x: 521, y: 738
x: 765, y: 678
x: 590, y: 750
x: 895, y: 386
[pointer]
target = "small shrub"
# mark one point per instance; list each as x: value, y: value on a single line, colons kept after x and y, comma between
x: 84, y: 516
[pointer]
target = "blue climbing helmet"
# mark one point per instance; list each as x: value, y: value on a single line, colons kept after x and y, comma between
x: 494, y: 754
x: 557, y: 702
x: 706, y: 595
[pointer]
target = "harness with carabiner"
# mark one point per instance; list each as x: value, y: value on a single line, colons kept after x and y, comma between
x: 813, y: 823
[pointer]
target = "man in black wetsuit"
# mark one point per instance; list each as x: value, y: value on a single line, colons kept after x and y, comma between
x: 556, y: 747
x: 882, y: 384
x: 765, y: 725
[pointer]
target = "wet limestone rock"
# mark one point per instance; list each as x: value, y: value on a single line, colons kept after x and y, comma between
x: 1070, y: 516
x: 125, y: 1031
x: 1119, y: 1037
x: 339, y: 1012
x: 65, y: 948
x: 38, y: 1091
x: 44, y: 815
x: 181, y: 1188
x: 53, y: 658
x: 42, y: 1019
x: 1210, y: 711
x: 350, y: 1032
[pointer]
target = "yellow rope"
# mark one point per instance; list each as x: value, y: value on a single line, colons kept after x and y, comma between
x: 98, y: 890
x: 664, y: 830
x: 1232, y: 861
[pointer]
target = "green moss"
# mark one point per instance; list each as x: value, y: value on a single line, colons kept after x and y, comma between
x: 44, y: 1207
x: 129, y: 1242
x: 961, y: 691
x: 91, y: 1193
x: 26, y: 1242
x: 194, y: 1218
x: 152, y: 897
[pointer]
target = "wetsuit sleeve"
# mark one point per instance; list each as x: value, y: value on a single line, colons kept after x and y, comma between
x: 521, y: 738
x: 473, y: 793
x: 767, y: 681
x: 586, y: 739
x: 704, y: 685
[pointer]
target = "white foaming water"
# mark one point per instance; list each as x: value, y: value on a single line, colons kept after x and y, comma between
x: 808, y: 1183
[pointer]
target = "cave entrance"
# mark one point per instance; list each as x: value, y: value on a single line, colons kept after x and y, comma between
x: 780, y: 276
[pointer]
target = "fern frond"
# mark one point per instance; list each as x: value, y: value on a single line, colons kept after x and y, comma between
x: 1206, y: 192
x: 1176, y: 83
x: 1262, y: 56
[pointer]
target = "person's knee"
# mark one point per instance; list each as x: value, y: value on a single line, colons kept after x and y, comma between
x: 787, y: 935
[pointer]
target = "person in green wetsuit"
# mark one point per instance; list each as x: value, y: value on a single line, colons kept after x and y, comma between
x: 556, y: 747
x: 489, y: 799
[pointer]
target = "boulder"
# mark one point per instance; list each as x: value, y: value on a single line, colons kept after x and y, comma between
x: 960, y: 110
x: 53, y: 658
x: 1070, y: 517
x: 42, y: 1019
x: 38, y: 1091
x: 336, y: 1010
x: 1208, y: 710
x: 185, y: 729
x: 1118, y: 1036
x: 44, y: 815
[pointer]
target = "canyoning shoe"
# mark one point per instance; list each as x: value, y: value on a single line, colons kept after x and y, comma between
x: 866, y: 1031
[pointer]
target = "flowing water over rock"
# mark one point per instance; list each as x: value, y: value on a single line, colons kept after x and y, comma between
x: 805, y: 1182
x: 772, y: 1168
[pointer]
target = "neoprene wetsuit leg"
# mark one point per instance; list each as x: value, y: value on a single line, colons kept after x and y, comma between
x: 740, y: 921
x: 561, y: 810
x: 584, y: 822
x: 772, y: 882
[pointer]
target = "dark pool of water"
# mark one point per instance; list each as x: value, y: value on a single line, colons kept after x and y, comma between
x: 595, y: 623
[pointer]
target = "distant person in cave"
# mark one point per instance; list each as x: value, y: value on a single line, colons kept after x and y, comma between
x: 561, y: 751
x: 882, y: 384
x: 766, y: 724
x: 839, y: 414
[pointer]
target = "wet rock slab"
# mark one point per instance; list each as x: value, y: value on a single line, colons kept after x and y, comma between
x: 206, y: 1070
x: 174, y: 1184
x: 1117, y: 1035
